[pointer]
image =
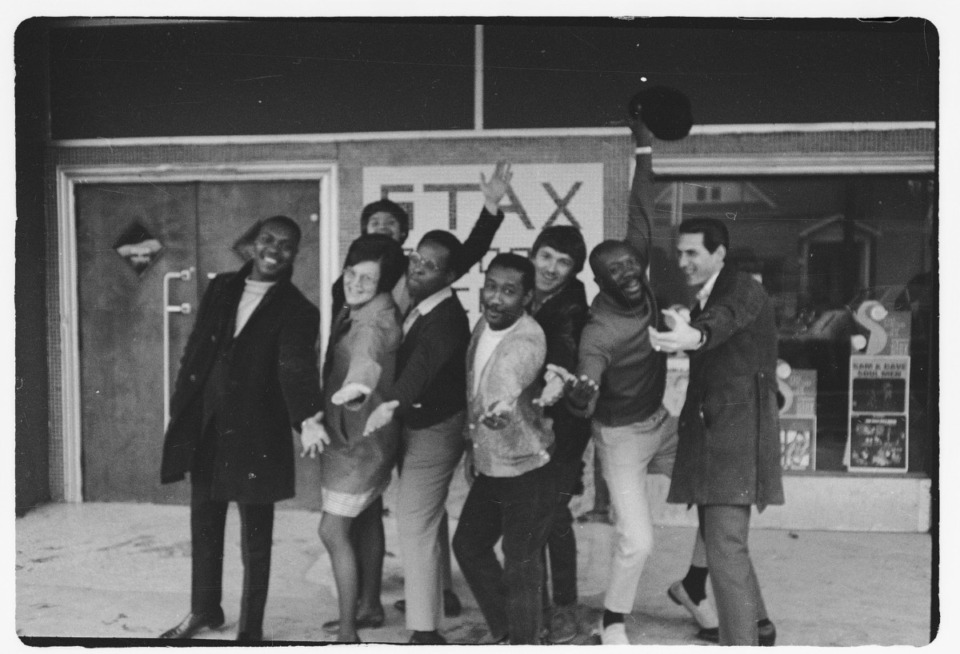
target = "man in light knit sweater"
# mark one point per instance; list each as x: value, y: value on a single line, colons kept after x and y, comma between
x: 620, y: 382
x: 514, y: 493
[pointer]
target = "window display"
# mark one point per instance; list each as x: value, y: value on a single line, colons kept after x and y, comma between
x: 850, y: 264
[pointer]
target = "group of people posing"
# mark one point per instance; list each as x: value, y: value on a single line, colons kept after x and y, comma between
x: 406, y: 384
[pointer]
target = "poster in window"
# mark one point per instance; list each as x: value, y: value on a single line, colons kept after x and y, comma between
x: 879, y: 438
x: 798, y: 417
x: 878, y: 442
x: 798, y: 437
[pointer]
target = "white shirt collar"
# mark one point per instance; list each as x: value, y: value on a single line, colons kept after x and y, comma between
x: 429, y: 303
x: 704, y: 293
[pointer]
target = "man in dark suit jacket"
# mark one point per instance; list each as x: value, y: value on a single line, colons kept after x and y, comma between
x: 728, y: 457
x: 429, y: 398
x: 247, y: 376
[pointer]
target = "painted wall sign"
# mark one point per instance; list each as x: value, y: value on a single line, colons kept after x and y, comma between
x: 449, y: 198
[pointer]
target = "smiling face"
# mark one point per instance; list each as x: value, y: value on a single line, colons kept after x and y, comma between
x: 503, y: 297
x: 274, y: 251
x: 697, y: 263
x: 553, y: 268
x: 427, y: 271
x: 384, y: 222
x: 360, y: 282
x: 621, y: 274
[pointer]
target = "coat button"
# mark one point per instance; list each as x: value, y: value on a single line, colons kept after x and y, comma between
x: 213, y: 338
x: 193, y: 378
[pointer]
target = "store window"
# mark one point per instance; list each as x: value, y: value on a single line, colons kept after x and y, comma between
x: 850, y: 265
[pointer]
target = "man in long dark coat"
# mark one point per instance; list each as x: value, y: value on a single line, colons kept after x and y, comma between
x: 247, y: 377
x: 728, y: 457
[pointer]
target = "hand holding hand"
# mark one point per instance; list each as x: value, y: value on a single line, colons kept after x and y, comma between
x: 380, y: 417
x: 555, y: 379
x: 497, y: 415
x: 352, y: 395
x: 494, y: 190
x: 681, y: 337
x: 671, y: 315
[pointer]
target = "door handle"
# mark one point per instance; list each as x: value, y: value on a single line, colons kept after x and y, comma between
x: 185, y: 308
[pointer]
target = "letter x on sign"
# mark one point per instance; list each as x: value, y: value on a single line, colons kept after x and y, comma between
x: 561, y: 204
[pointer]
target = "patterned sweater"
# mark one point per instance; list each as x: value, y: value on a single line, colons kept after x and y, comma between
x: 513, y: 373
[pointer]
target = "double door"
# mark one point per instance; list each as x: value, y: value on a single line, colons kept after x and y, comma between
x: 145, y: 254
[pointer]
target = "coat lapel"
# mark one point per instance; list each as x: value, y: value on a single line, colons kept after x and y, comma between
x: 720, y: 287
x: 231, y: 300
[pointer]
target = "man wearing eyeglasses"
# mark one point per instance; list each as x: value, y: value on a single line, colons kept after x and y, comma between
x: 429, y: 398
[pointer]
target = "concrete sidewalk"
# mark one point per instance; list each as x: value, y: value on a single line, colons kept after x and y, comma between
x: 123, y: 571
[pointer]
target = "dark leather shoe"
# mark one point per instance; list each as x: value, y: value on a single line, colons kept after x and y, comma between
x: 427, y: 638
x: 193, y: 623
x: 451, y: 604
x: 250, y: 636
x: 767, y: 636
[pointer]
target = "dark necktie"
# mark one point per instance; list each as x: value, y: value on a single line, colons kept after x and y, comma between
x: 695, y: 311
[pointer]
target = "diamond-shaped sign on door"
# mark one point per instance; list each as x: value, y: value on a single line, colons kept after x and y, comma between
x: 138, y: 247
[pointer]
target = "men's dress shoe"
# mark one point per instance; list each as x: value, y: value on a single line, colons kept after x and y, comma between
x: 193, y: 623
x: 767, y: 635
x: 703, y: 612
x: 250, y: 636
x: 427, y: 638
x: 601, y: 516
x: 372, y: 621
x: 562, y: 626
x: 451, y: 604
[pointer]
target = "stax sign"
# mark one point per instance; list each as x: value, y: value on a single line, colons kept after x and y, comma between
x: 449, y: 198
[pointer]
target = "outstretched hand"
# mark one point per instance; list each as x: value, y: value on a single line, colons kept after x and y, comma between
x: 580, y: 391
x: 498, y: 185
x: 380, y: 417
x: 313, y: 437
x: 497, y: 415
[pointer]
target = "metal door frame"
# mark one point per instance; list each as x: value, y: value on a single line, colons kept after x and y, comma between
x: 68, y: 177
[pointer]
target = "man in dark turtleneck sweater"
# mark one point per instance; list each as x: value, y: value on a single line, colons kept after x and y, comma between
x: 620, y: 382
